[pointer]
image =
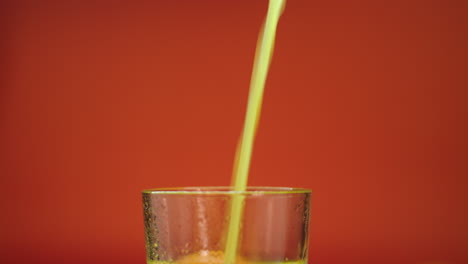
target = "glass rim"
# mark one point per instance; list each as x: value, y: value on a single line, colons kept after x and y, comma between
x: 227, y: 190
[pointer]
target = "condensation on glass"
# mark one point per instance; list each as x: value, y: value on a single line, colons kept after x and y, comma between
x: 186, y: 221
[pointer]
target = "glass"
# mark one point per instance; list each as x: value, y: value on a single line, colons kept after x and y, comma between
x: 189, y: 225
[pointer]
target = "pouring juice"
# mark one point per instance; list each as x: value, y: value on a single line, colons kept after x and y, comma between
x: 274, y: 221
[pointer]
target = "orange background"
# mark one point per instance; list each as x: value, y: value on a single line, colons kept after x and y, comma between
x: 366, y: 104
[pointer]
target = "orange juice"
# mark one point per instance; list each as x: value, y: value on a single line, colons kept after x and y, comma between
x: 217, y: 257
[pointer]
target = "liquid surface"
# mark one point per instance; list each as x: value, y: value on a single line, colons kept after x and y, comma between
x: 217, y: 257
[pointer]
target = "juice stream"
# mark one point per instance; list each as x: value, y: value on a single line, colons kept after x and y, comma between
x: 262, y: 60
x: 244, y: 149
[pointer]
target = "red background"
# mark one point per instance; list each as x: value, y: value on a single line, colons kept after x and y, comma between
x: 366, y: 104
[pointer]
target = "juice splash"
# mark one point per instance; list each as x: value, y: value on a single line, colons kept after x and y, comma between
x: 244, y: 150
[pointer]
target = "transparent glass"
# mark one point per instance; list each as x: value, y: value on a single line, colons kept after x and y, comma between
x: 189, y: 225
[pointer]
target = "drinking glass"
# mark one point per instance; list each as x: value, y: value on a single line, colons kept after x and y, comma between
x: 189, y: 225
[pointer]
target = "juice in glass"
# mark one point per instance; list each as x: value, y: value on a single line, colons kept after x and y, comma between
x: 190, y: 225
